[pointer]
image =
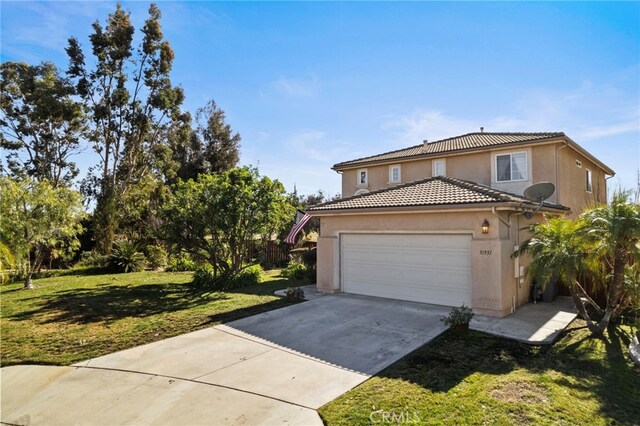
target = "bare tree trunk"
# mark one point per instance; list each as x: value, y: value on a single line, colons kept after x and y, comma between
x: 617, y: 281
x: 28, y: 283
x: 582, y: 310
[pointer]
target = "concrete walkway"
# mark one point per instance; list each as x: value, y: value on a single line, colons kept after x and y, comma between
x: 274, y: 368
x: 535, y: 324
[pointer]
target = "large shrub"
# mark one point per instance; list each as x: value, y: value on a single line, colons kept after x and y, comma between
x: 126, y: 257
x: 295, y: 271
x: 156, y: 256
x: 204, y: 278
x: 216, y: 216
x: 181, y: 263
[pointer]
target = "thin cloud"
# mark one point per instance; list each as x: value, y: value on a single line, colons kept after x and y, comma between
x: 587, y: 112
x: 296, y: 87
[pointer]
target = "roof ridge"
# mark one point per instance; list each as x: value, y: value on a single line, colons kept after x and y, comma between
x: 376, y: 155
x: 498, y: 133
x: 534, y: 136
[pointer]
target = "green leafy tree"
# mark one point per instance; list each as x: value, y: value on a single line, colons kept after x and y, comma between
x: 130, y: 100
x: 601, y: 244
x: 41, y: 123
x: 216, y: 217
x: 220, y: 145
x: 36, y: 218
x: 187, y: 159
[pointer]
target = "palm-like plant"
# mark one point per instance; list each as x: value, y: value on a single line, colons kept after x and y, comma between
x: 559, y: 250
x: 126, y: 257
x: 603, y: 242
x: 613, y: 233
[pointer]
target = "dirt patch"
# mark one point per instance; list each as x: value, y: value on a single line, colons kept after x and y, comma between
x: 521, y: 392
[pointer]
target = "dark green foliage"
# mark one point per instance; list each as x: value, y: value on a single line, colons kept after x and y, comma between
x: 156, y: 256
x: 295, y: 271
x: 219, y: 143
x: 181, y: 263
x: 126, y: 257
x: 458, y: 316
x: 41, y: 124
x: 205, y: 278
x: 93, y: 259
x: 130, y: 99
x: 251, y: 275
x: 218, y: 217
x: 294, y: 294
x: 211, y: 147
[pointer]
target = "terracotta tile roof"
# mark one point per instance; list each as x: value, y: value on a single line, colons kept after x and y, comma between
x: 436, y: 191
x: 457, y: 143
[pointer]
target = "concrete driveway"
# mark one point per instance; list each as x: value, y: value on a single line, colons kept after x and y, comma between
x: 276, y: 367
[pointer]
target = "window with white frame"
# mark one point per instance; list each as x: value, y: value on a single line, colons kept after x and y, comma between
x: 511, y: 167
x: 589, y: 181
x: 394, y: 174
x: 363, y: 177
x: 439, y: 168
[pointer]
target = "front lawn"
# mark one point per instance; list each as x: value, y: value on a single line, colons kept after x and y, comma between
x: 70, y: 318
x: 479, y: 379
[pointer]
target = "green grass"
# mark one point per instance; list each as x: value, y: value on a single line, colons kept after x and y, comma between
x: 476, y: 379
x: 70, y: 318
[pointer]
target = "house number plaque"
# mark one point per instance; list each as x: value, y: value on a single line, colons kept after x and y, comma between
x: 485, y: 252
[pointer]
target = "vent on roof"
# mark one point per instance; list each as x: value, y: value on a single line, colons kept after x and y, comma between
x: 425, y: 142
x: 481, y: 129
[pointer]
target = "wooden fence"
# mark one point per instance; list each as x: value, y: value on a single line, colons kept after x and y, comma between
x: 271, y: 252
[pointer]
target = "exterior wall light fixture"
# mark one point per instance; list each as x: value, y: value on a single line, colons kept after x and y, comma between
x: 485, y: 227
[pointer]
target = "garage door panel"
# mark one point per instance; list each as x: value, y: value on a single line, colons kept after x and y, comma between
x: 423, y: 268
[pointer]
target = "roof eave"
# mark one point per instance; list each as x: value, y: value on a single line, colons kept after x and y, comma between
x: 573, y: 144
x: 507, y: 205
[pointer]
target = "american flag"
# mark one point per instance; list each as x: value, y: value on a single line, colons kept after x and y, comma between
x: 301, y: 220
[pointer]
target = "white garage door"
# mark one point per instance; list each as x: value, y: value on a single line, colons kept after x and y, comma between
x: 421, y: 268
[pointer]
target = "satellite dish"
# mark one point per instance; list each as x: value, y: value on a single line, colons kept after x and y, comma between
x: 537, y: 193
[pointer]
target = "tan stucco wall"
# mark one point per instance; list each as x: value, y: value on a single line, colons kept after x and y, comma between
x: 477, y: 167
x: 493, y: 283
x: 572, y: 182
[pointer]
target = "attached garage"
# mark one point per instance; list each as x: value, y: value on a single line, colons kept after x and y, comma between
x: 441, y: 240
x: 427, y: 268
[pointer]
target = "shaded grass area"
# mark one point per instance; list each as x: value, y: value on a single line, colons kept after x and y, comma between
x: 69, y: 318
x: 479, y: 379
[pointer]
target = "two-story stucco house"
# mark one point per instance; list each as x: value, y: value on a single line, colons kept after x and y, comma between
x: 438, y: 222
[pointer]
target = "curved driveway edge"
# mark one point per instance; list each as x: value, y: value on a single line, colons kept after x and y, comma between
x: 272, y: 368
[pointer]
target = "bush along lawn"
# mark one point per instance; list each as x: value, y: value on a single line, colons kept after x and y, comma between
x: 70, y: 318
x: 476, y: 379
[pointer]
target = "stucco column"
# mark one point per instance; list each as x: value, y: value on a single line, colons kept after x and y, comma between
x: 328, y: 275
x: 491, y: 271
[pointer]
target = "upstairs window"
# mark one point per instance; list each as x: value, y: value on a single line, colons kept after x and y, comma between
x: 439, y: 168
x: 394, y: 174
x: 511, y: 167
x: 589, y: 181
x: 363, y: 177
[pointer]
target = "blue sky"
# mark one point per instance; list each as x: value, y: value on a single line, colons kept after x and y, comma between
x: 308, y: 85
